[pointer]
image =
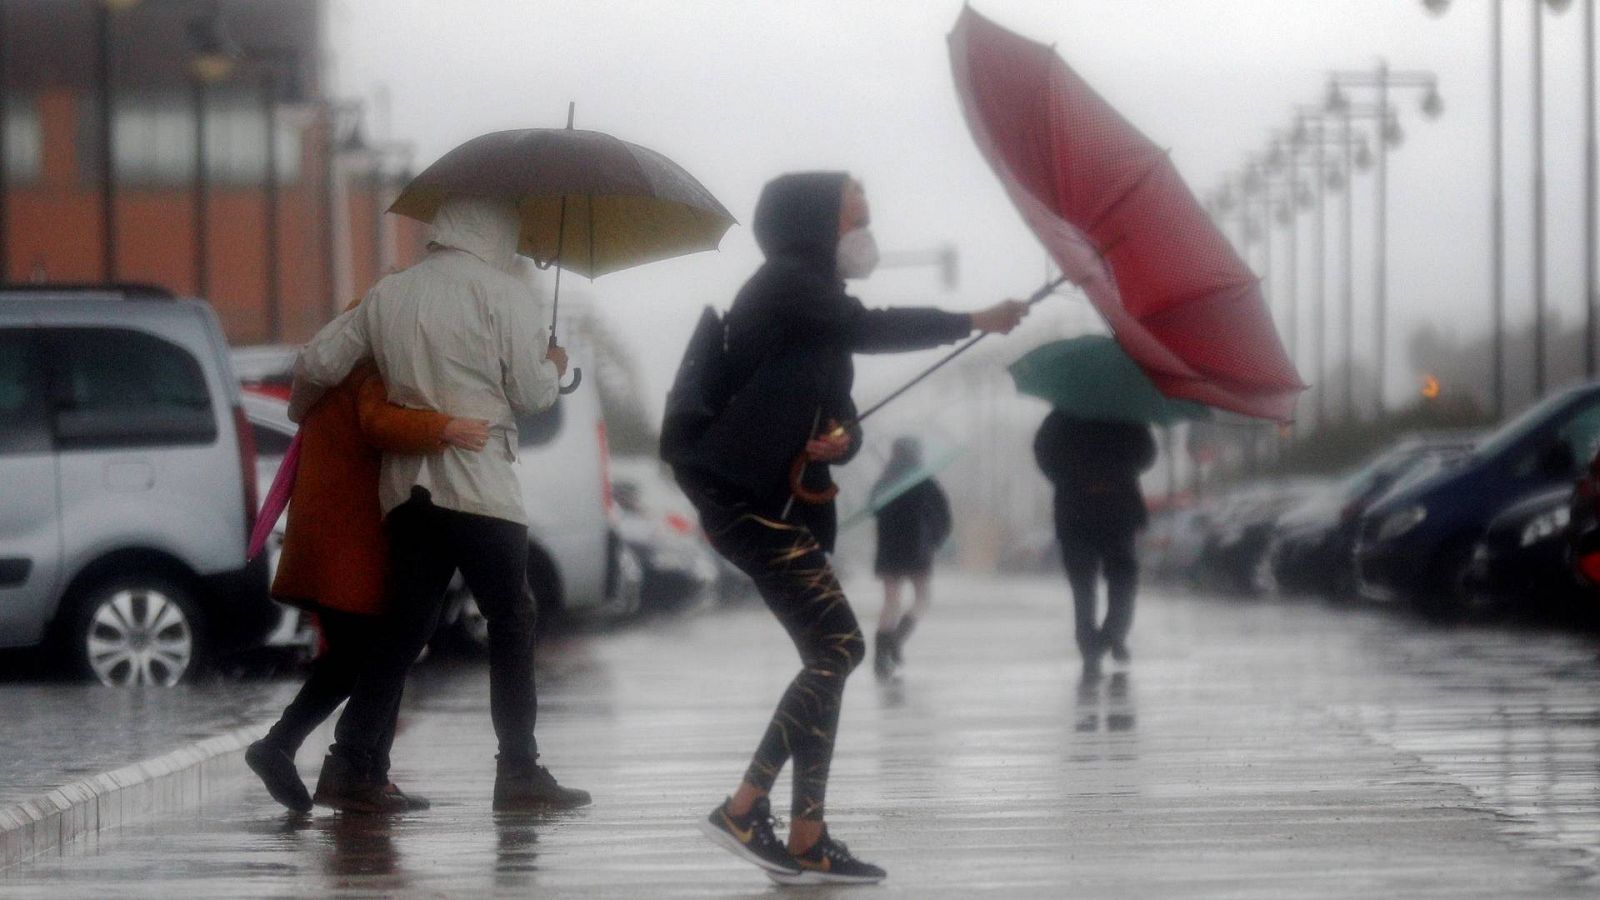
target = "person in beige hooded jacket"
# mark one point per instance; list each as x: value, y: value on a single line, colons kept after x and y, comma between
x: 458, y: 332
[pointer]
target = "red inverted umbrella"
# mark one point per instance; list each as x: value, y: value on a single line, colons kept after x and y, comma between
x: 1117, y: 218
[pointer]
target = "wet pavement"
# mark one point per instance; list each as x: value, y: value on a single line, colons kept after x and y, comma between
x: 54, y: 731
x: 1255, y: 749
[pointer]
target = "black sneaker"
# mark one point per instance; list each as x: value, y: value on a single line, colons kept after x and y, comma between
x: 829, y: 862
x: 276, y: 770
x: 750, y: 837
x: 530, y: 786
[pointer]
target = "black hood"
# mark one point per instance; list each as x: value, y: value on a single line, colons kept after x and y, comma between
x: 798, y: 216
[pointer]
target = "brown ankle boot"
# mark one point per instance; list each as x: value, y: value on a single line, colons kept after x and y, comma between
x: 342, y: 787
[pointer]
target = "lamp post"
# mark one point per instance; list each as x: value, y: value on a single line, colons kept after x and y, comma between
x: 1383, y: 79
x: 1323, y: 174
x: 212, y: 57
x: 5, y: 117
x: 1497, y: 202
x: 105, y: 100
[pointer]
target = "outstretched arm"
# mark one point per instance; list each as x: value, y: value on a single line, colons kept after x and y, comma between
x: 396, y: 429
x: 326, y: 359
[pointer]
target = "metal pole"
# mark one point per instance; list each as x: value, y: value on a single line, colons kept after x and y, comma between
x: 1590, y: 337
x: 1538, y: 199
x: 1293, y: 262
x: 1497, y: 302
x: 330, y: 266
x: 269, y: 89
x: 5, y: 255
x: 104, y: 103
x: 1380, y: 263
x: 202, y: 198
x: 1319, y: 323
x: 1347, y: 241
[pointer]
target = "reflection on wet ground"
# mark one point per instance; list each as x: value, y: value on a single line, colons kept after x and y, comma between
x: 1254, y: 749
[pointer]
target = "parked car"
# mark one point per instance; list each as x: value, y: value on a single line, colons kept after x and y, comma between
x: 265, y: 368
x: 129, y: 484
x: 1233, y: 552
x: 1417, y: 542
x: 1521, y: 562
x: 1314, y: 541
x: 1583, y: 529
x: 1171, y: 546
x: 575, y: 556
x: 661, y: 525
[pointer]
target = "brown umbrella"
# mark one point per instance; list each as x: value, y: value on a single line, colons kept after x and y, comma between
x: 590, y: 202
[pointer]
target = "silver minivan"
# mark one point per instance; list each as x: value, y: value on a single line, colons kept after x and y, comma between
x: 127, y: 484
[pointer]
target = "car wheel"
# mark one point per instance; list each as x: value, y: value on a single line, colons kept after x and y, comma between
x: 137, y: 630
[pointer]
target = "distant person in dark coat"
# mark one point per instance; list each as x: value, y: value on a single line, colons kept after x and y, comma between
x: 1095, y: 467
x: 775, y: 388
x: 911, y: 529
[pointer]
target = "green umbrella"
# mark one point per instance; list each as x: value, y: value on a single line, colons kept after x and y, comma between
x: 1092, y: 378
x: 932, y: 464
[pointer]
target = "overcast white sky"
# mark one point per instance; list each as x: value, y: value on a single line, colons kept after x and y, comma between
x: 738, y: 91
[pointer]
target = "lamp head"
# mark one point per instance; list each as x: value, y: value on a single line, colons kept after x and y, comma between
x: 1432, y: 103
x: 1558, y: 6
x: 1393, y: 135
x: 1363, y: 156
x: 212, y: 53
x: 1335, y: 101
x: 1437, y: 7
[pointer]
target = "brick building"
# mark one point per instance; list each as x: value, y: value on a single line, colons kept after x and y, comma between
x: 332, y: 240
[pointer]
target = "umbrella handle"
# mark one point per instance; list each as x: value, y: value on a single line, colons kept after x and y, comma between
x: 797, y: 473
x: 577, y: 379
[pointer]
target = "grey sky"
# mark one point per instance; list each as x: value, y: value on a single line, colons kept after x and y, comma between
x: 738, y: 91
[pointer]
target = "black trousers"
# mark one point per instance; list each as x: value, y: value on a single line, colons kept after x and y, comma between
x: 1087, y: 552
x: 427, y: 544
x: 794, y: 577
x: 347, y: 638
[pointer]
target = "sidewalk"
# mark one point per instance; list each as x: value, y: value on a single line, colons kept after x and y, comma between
x: 1255, y: 750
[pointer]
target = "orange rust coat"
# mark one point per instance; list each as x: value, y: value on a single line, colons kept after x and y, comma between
x: 335, y: 552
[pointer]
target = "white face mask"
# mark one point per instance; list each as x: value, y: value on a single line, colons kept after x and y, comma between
x: 857, y: 255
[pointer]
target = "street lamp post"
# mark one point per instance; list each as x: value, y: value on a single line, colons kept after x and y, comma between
x: 104, y: 104
x: 211, y: 59
x: 1383, y: 79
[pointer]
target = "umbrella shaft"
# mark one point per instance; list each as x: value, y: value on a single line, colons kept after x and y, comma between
x: 1044, y: 291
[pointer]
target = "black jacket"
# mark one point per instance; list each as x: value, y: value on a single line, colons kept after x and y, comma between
x: 1095, y: 467
x: 911, y: 529
x: 785, y: 365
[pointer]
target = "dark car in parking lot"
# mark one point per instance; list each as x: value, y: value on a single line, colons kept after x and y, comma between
x: 1416, y: 543
x: 1314, y: 542
x: 1521, y: 562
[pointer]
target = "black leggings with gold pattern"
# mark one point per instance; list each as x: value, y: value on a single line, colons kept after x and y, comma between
x: 795, y: 579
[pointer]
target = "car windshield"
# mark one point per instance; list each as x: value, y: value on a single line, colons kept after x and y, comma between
x: 1517, y: 428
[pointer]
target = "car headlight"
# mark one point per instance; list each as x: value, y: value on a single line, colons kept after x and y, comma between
x: 1548, y: 525
x: 1401, y: 521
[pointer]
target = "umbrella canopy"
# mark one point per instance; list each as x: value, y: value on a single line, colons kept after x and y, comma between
x: 1117, y: 218
x: 590, y: 203
x: 1090, y: 377
x: 932, y: 464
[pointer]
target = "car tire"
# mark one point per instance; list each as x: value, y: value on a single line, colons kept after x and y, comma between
x: 1444, y: 597
x: 136, y: 629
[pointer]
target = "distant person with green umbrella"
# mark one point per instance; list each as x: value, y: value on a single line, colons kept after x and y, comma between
x: 1093, y: 446
x: 1095, y: 467
x: 911, y: 528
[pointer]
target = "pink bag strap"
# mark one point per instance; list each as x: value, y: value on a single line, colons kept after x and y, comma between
x: 277, y: 499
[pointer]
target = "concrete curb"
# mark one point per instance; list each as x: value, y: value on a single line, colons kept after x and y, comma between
x: 167, y: 783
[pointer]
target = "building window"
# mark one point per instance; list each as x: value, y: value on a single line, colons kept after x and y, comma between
x: 24, y: 140
x: 154, y: 140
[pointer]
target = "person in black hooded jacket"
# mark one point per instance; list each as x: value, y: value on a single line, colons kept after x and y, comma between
x: 1095, y: 467
x: 786, y: 375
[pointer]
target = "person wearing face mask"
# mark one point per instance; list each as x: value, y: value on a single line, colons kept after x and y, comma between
x: 457, y: 331
x: 781, y: 388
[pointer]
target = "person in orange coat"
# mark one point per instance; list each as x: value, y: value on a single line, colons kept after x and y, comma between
x: 335, y: 552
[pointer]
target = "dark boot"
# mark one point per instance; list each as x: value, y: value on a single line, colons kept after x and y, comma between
x: 412, y: 801
x: 275, y: 767
x: 902, y: 633
x: 885, y: 655
x: 344, y: 787
x: 520, y: 786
